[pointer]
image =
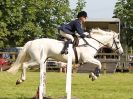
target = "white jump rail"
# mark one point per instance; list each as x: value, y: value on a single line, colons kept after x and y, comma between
x: 69, y: 72
x: 42, y: 86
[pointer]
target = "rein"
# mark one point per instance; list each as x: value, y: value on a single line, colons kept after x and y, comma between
x: 89, y: 44
x: 76, y: 55
x: 114, y: 42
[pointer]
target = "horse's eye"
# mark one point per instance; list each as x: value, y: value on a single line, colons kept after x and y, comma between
x: 117, y: 42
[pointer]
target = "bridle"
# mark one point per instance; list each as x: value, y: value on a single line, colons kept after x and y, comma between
x: 114, y: 43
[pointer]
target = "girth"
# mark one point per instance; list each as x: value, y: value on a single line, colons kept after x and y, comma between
x: 75, y: 44
x: 76, y: 55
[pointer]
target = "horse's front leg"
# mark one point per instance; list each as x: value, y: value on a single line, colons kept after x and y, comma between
x: 97, y: 70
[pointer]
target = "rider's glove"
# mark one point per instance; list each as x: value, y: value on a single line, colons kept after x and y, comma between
x: 83, y: 36
x: 88, y: 36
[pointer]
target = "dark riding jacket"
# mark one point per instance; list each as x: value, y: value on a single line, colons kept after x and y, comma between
x: 73, y: 26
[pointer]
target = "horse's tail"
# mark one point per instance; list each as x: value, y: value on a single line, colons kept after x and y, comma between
x: 20, y: 59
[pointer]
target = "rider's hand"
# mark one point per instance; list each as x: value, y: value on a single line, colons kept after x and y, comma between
x: 88, y: 36
x: 83, y: 36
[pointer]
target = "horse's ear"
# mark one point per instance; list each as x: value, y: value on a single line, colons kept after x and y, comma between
x: 117, y: 35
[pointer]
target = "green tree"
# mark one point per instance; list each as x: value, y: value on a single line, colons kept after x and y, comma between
x: 79, y: 7
x: 24, y: 20
x: 124, y: 11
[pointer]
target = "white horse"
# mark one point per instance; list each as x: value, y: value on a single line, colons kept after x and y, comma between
x: 86, y: 50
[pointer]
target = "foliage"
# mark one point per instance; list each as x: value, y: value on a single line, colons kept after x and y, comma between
x: 79, y: 7
x: 124, y: 11
x: 24, y: 20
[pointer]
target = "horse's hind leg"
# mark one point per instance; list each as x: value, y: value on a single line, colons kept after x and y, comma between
x: 24, y: 67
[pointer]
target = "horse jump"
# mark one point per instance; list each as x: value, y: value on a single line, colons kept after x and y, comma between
x: 42, y: 86
x: 69, y: 72
x: 87, y: 49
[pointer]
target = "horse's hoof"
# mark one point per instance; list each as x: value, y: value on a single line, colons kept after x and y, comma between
x: 98, y: 75
x: 90, y: 75
x: 18, y: 82
x: 94, y: 78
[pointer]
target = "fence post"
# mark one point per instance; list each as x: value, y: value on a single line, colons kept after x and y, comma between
x: 42, y: 87
x: 69, y: 72
x: 104, y: 65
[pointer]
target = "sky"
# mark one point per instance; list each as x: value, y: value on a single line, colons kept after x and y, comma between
x: 97, y: 8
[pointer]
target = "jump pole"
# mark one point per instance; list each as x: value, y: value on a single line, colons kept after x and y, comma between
x: 69, y: 72
x: 42, y: 86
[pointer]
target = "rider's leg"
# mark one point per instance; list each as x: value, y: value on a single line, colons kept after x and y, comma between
x: 64, y: 50
x: 69, y: 38
x: 66, y: 35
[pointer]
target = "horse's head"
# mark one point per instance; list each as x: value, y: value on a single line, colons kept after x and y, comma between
x: 115, y: 44
x: 108, y: 38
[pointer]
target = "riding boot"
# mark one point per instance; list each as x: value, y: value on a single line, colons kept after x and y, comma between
x: 65, y: 50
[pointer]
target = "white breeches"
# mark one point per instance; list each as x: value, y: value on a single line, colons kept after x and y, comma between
x: 66, y: 35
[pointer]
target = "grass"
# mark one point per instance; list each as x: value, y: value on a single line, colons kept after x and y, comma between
x: 109, y: 86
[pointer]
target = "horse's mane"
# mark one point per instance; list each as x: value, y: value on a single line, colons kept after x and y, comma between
x: 101, y: 32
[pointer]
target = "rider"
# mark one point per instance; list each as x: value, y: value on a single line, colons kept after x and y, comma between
x: 67, y: 30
